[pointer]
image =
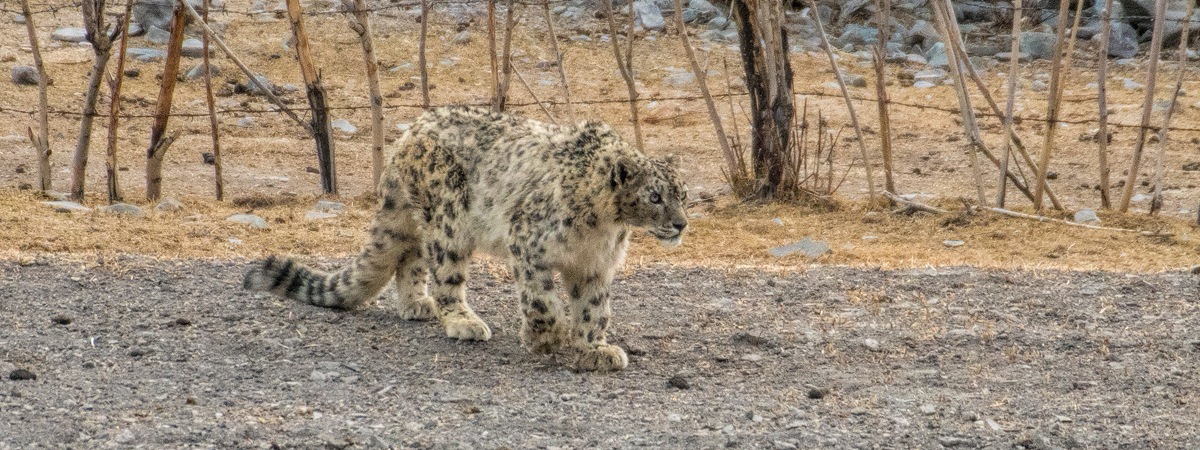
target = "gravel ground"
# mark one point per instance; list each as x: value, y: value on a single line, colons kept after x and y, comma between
x: 173, y: 354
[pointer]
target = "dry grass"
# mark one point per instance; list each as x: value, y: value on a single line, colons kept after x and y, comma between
x: 727, y: 235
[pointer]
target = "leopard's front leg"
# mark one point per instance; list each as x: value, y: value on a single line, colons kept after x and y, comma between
x: 591, y: 313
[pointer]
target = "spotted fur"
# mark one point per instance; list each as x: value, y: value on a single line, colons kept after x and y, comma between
x: 545, y: 197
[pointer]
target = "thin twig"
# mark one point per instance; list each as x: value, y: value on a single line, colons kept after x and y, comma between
x: 114, y: 112
x: 837, y: 72
x: 885, y: 123
x: 1067, y: 222
x: 421, y: 57
x: 558, y: 59
x: 913, y: 205
x: 362, y: 26
x: 1156, y: 202
x: 1008, y: 107
x: 218, y: 177
x: 531, y: 94
x: 506, y: 67
x: 944, y: 12
x: 41, y: 142
x: 162, y: 108
x: 1102, y: 99
x: 1160, y: 7
x: 626, y: 71
x: 702, y: 81
x: 93, y: 19
x: 491, y: 27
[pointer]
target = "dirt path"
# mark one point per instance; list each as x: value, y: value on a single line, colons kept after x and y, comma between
x: 173, y: 354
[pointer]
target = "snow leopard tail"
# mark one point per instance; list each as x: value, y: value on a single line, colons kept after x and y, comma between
x: 348, y: 288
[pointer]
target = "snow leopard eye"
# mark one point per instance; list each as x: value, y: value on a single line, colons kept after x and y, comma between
x: 655, y: 198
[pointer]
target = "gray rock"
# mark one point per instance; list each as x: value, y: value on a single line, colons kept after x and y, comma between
x: 197, y: 72
x: 123, y: 209
x: 953, y: 244
x: 934, y: 76
x: 1007, y: 56
x: 1122, y: 40
x: 1130, y: 84
x: 719, y: 36
x: 984, y: 49
x: 462, y: 38
x: 326, y: 205
x: 649, y: 16
x: 914, y: 58
x: 66, y: 206
x: 158, y: 13
x: 19, y: 19
x: 245, y: 122
x: 923, y: 85
x: 679, y: 79
x: 24, y: 75
x: 855, y: 81
x: 936, y: 55
x: 344, y: 125
x: 1038, y: 86
x: 700, y: 11
x: 871, y: 344
x: 169, y: 204
x: 248, y: 219
x: 145, y: 54
x: 157, y: 35
x: 858, y: 35
x: 927, y: 409
x: 1086, y: 216
x: 193, y: 48
x: 318, y: 215
x: 807, y: 246
x: 253, y: 89
x: 126, y: 436
x: 719, y: 23
x: 69, y: 34
x: 1038, y: 45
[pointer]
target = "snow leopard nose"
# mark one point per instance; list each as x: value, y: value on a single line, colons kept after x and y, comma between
x: 679, y: 226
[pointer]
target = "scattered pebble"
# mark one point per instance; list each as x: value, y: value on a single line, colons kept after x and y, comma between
x: 871, y: 344
x: 69, y: 34
x: 674, y: 417
x: 679, y: 382
x: 21, y: 374
x: 168, y: 204
x: 953, y: 244
x: 344, y: 125
x: 807, y: 246
x: 66, y: 206
x: 248, y: 219
x: 1086, y: 216
x: 24, y: 76
x: 124, y: 209
x: 318, y: 215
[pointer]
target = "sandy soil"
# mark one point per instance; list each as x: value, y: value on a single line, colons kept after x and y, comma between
x: 173, y: 354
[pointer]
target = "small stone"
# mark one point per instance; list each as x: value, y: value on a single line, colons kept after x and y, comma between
x: 157, y: 35
x: 145, y: 55
x: 1038, y: 86
x: 855, y: 81
x: 1086, y: 216
x: 1007, y: 56
x: 66, y: 206
x: 1141, y: 198
x: 649, y: 16
x: 197, y: 71
x: 245, y: 122
x: 927, y: 409
x: 992, y: 424
x: 318, y: 376
x: 951, y: 441
x: 61, y: 320
x: 123, y: 209
x: 318, y: 215
x: 1038, y: 45
x: 871, y: 344
x: 816, y: 394
x: 462, y: 38
x: 679, y: 382
x: 807, y: 246
x: 858, y: 410
x: 168, y: 204
x: 1130, y: 84
x: 192, y: 48
x: 326, y: 205
x: 125, y: 436
x: 21, y: 374
x: 753, y: 357
x: 923, y: 85
x: 674, y: 417
x: 953, y: 244
x: 19, y: 19
x: 248, y: 219
x: 24, y: 75
x: 344, y: 125
x: 679, y: 79
x: 69, y: 34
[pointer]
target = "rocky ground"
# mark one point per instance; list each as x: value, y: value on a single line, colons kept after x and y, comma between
x: 132, y: 352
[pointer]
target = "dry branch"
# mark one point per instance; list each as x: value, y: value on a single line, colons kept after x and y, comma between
x: 702, y: 80
x: 558, y: 59
x: 1008, y: 107
x: 1156, y: 202
x: 1102, y: 99
x: 218, y: 178
x: 114, y: 111
x: 837, y: 72
x: 93, y: 20
x: 162, y: 111
x: 322, y: 129
x: 885, y: 123
x: 362, y: 26
x: 944, y: 12
x: 913, y: 205
x: 1068, y: 222
x: 626, y: 69
x: 420, y: 60
x: 535, y: 99
x: 491, y: 22
x: 1147, y: 104
x: 506, y: 67
x: 1052, y: 103
x: 41, y: 141
x: 245, y: 70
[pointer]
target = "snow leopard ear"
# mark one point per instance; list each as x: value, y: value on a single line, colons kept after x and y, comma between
x: 672, y: 161
x: 625, y: 172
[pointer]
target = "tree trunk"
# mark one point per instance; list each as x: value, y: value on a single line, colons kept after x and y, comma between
x: 218, y: 178
x: 41, y: 141
x: 322, y: 129
x: 362, y: 27
x: 162, y: 110
x: 93, y: 21
x: 114, y: 112
x: 764, y: 48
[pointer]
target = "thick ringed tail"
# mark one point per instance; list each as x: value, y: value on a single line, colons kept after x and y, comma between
x: 288, y: 278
